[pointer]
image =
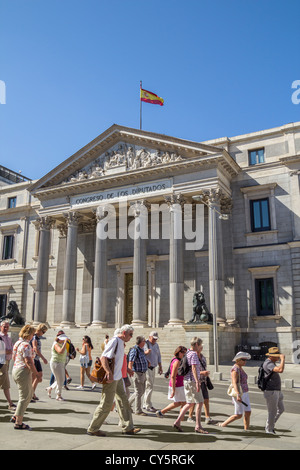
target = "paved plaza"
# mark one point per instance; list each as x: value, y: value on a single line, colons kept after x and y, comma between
x: 62, y: 425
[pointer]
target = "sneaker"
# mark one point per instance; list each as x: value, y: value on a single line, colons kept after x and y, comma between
x: 94, y: 386
x: 80, y: 387
x: 12, y: 407
x: 141, y: 413
x: 208, y: 420
x: 159, y: 414
x: 151, y: 409
x: 191, y: 420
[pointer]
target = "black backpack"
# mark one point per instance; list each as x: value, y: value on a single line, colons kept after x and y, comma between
x: 184, y: 367
x: 263, y: 378
x: 72, y: 351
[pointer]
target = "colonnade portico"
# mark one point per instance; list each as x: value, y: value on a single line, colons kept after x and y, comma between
x: 138, y: 209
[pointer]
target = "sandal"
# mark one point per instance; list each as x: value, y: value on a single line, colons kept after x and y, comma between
x: 179, y: 429
x: 22, y: 427
x: 201, y: 431
x: 13, y: 419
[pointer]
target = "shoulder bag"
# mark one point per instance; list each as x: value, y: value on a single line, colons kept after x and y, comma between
x: 98, y: 374
x: 209, y: 383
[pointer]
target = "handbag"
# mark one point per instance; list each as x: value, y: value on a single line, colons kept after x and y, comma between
x: 209, y: 383
x: 231, y: 392
x: 98, y: 374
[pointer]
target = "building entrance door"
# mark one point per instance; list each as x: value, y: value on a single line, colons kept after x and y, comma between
x: 128, y: 298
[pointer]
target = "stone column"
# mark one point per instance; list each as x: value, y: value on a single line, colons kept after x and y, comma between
x: 44, y: 224
x: 176, y: 278
x: 70, y: 275
x: 215, y: 246
x: 139, y: 210
x: 100, y: 273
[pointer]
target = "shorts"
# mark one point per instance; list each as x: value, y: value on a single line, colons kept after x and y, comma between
x: 38, y: 365
x: 179, y: 394
x: 191, y: 394
x: 239, y: 408
x: 86, y: 365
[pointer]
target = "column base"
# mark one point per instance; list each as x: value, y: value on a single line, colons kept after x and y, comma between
x: 175, y: 323
x: 99, y: 324
x: 67, y: 324
x: 139, y: 324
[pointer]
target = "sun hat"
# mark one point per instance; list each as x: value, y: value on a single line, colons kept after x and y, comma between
x: 241, y: 355
x: 154, y: 334
x: 273, y: 352
x: 62, y: 337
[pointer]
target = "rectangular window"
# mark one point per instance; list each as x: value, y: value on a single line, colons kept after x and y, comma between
x: 3, y: 301
x: 8, y: 247
x: 12, y: 202
x: 264, y: 296
x: 256, y: 156
x: 260, y: 215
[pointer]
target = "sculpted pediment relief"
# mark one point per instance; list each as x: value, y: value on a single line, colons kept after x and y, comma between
x: 123, y: 157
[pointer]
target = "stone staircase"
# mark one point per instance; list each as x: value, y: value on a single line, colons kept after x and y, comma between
x: 169, y: 339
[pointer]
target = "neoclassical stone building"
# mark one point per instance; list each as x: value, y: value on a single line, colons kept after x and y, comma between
x: 128, y: 228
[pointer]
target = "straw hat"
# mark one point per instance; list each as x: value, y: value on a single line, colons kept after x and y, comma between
x: 273, y: 352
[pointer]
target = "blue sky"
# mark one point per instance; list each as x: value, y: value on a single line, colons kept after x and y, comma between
x: 72, y: 68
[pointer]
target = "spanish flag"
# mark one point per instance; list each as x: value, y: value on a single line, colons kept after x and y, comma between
x: 149, y: 97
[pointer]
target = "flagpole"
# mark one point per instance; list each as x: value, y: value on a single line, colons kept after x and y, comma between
x: 140, y: 106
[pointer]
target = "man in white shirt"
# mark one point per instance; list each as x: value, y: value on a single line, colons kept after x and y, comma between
x: 153, y: 356
x: 4, y: 371
x: 114, y: 388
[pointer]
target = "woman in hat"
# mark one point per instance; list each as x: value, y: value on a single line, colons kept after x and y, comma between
x: 241, y: 401
x: 58, y: 362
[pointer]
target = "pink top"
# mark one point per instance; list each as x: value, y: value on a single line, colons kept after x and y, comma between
x: 242, y: 377
x: 179, y: 378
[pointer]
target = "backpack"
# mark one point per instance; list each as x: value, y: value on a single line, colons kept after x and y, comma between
x: 263, y: 378
x: 184, y: 366
x: 72, y: 351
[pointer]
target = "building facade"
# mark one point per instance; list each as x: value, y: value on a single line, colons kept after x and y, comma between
x: 128, y: 228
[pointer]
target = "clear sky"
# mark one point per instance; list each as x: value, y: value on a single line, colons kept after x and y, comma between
x: 72, y: 68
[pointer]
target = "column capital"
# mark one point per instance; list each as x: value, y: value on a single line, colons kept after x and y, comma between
x: 44, y: 223
x: 174, y: 199
x: 72, y: 218
x: 216, y: 196
x: 137, y: 206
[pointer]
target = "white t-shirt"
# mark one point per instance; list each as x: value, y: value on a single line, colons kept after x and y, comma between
x: 109, y: 352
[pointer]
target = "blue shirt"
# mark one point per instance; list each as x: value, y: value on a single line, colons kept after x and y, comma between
x: 137, y: 356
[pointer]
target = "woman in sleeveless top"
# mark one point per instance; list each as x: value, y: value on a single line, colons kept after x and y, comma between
x: 85, y: 359
x: 176, y: 387
x: 239, y: 381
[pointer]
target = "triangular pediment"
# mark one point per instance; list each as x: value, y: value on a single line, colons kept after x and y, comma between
x: 121, y: 152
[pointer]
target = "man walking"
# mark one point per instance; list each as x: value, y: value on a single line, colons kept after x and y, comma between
x: 4, y: 371
x: 138, y: 363
x: 152, y: 353
x: 114, y: 387
x: 272, y: 393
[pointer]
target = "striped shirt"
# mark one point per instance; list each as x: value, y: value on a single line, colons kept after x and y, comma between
x: 192, y: 359
x: 137, y: 356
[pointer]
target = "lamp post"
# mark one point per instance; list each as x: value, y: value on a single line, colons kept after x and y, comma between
x: 212, y: 212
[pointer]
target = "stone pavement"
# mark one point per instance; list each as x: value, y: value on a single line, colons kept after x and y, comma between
x: 62, y: 425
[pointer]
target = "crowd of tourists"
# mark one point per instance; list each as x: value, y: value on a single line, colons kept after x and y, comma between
x: 189, y: 379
